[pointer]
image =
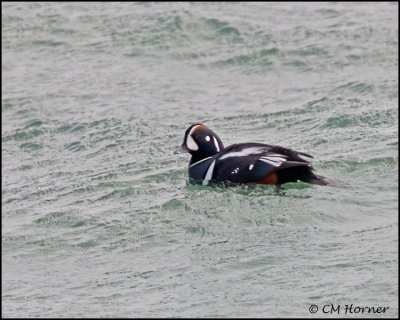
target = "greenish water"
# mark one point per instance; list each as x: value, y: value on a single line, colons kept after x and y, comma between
x: 98, y: 218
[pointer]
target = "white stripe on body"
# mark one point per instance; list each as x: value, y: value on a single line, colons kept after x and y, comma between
x: 193, y: 164
x: 242, y: 153
x: 209, y: 173
x: 274, y: 160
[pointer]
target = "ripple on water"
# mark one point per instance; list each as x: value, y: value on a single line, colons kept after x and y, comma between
x: 95, y: 98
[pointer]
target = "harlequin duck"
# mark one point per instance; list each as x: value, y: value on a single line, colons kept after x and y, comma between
x: 211, y: 163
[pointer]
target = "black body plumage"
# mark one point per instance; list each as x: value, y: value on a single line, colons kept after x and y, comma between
x: 245, y: 162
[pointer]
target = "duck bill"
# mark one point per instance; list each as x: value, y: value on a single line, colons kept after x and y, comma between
x: 181, y: 149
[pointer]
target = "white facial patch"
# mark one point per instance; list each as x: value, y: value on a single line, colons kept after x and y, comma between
x: 208, y: 138
x: 190, y: 143
x: 251, y: 166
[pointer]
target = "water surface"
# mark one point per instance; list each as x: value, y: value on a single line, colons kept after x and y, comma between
x: 98, y: 218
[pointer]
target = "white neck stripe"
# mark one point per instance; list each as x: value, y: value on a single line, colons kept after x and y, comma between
x: 216, y: 143
x: 199, y: 161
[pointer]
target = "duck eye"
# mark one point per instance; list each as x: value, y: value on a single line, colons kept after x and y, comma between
x: 208, y: 138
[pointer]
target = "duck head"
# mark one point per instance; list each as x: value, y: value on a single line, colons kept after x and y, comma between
x: 200, y: 142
